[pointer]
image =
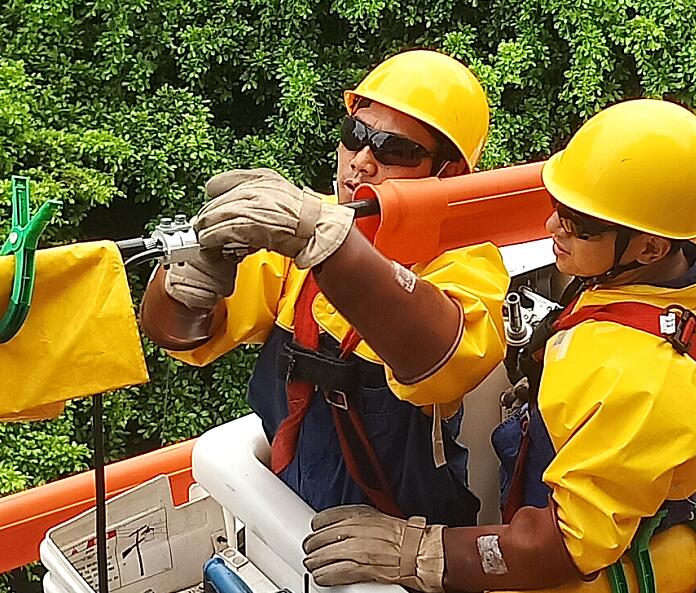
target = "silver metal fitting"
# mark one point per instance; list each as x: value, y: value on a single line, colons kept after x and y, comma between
x: 176, y: 238
x: 541, y: 306
x: 517, y: 329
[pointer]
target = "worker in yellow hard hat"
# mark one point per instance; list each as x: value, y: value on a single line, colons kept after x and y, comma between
x: 606, y: 447
x: 371, y: 414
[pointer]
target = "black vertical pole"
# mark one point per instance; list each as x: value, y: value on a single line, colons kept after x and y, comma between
x: 100, y: 489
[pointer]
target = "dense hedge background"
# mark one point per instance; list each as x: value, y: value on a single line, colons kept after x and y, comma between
x: 123, y: 108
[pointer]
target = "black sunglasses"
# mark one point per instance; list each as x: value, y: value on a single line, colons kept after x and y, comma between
x: 388, y: 148
x: 582, y: 226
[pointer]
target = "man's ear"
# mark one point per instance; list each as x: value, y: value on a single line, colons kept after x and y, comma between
x: 653, y: 248
x: 453, y: 168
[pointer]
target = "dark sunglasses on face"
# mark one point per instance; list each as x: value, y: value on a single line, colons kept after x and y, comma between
x: 580, y: 225
x: 388, y: 148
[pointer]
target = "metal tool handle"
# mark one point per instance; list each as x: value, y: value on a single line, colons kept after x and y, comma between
x: 517, y: 329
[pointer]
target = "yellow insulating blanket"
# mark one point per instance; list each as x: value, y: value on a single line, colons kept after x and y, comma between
x: 80, y: 337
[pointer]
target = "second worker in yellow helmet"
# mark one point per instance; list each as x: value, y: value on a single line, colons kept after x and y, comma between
x: 606, y: 446
x: 357, y: 427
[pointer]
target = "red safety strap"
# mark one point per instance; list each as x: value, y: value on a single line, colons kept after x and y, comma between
x: 361, y: 459
x: 299, y: 393
x: 362, y: 462
x: 640, y: 316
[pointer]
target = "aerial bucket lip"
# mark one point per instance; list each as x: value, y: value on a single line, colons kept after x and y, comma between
x: 422, y: 218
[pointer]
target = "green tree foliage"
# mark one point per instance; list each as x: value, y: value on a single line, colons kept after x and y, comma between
x: 123, y: 109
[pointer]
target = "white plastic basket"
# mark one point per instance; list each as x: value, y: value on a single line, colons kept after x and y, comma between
x: 152, y: 546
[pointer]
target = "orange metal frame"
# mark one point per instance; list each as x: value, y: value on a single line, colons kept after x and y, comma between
x: 25, y: 517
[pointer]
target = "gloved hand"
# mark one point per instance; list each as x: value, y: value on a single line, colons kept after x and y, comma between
x: 201, y: 282
x: 356, y: 543
x: 513, y: 397
x: 261, y: 209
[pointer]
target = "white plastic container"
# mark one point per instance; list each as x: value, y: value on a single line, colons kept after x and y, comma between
x: 152, y: 546
x: 230, y: 462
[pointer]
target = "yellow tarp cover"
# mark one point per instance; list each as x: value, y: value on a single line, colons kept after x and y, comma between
x: 80, y: 337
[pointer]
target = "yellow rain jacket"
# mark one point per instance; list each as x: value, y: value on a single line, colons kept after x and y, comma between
x: 268, y: 285
x: 620, y: 407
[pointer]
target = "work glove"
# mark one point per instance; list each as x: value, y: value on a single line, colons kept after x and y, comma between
x: 515, y: 396
x: 200, y: 282
x: 203, y: 280
x: 260, y: 209
x: 357, y: 543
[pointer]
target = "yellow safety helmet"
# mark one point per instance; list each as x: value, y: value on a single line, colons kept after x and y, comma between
x: 435, y: 89
x: 633, y: 164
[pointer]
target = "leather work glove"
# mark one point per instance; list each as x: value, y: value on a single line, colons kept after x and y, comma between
x: 357, y: 543
x: 514, y: 397
x: 202, y: 281
x: 262, y: 210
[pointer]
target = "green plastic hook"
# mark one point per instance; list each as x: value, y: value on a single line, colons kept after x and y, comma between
x: 617, y: 578
x: 22, y: 242
x: 639, y: 553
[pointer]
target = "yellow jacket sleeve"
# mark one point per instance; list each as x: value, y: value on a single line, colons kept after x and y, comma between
x: 619, y: 407
x: 475, y: 277
x: 477, y: 280
x: 251, y: 309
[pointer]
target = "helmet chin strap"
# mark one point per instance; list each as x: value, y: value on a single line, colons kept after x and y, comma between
x: 623, y: 237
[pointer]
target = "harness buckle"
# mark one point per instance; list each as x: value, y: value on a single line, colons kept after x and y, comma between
x: 336, y: 398
x: 678, y: 326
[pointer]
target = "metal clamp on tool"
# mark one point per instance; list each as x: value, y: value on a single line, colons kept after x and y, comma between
x: 172, y: 241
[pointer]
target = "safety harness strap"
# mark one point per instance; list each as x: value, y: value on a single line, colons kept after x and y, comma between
x: 361, y: 459
x: 675, y: 323
x: 324, y: 370
x: 299, y: 392
x: 303, y: 368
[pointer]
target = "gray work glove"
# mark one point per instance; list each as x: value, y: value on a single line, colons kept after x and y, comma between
x: 356, y: 543
x: 202, y: 281
x: 515, y: 396
x: 262, y: 210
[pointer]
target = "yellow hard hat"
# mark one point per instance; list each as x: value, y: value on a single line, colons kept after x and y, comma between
x: 633, y: 164
x: 435, y: 89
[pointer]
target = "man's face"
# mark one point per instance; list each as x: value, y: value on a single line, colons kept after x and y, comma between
x: 356, y: 167
x: 577, y: 257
